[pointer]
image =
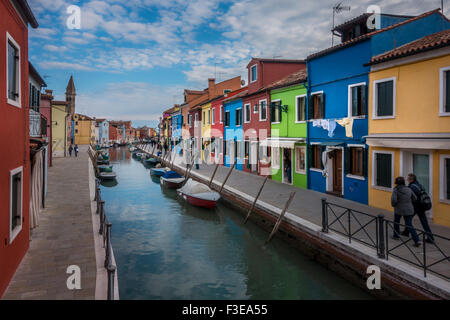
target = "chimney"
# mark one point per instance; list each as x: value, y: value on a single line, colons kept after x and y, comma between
x: 211, y: 88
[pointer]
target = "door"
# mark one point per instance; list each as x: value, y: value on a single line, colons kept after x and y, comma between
x: 287, y: 166
x: 421, y: 168
x: 254, y: 156
x: 337, y: 171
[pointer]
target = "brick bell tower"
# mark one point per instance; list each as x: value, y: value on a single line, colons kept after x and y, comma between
x: 70, y: 96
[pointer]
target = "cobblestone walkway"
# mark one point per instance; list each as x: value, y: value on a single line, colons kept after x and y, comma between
x: 64, y: 237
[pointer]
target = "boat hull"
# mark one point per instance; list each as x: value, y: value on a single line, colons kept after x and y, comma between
x: 171, y: 184
x: 208, y: 204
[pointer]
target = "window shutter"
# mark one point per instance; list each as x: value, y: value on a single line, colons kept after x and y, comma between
x: 364, y: 100
x: 310, y: 108
x: 322, y: 150
x: 279, y: 111
x: 347, y: 160
x: 447, y: 91
x: 322, y: 105
x: 272, y: 112
x: 310, y: 156
x: 365, y: 163
x: 354, y: 101
x: 447, y: 163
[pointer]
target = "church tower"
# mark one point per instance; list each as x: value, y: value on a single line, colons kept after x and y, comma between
x: 70, y: 96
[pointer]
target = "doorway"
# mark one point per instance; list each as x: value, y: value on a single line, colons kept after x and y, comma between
x: 287, y: 166
x: 253, y: 157
x: 334, y: 164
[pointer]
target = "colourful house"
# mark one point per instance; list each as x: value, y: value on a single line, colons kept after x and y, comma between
x: 337, y: 100
x: 409, y: 121
x: 288, y: 98
x: 82, y: 129
x: 61, y: 128
x: 206, y: 132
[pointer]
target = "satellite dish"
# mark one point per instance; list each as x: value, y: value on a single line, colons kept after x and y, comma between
x: 242, y: 82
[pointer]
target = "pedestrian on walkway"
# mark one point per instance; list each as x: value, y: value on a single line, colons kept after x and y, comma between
x: 76, y: 150
x: 70, y: 150
x: 402, y: 201
x: 419, y: 209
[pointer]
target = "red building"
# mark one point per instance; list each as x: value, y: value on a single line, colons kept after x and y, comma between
x: 262, y: 72
x: 113, y: 133
x: 15, y: 16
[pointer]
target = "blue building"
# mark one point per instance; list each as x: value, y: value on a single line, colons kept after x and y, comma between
x: 176, y: 127
x: 338, y: 81
x: 103, y: 131
x: 233, y: 131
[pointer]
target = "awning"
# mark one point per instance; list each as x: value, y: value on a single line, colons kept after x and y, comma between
x: 282, y: 142
x: 330, y: 143
x: 410, y: 140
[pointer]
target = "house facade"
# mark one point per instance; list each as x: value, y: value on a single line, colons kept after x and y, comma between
x: 206, y: 132
x: 61, y: 128
x: 409, y: 121
x: 82, y: 129
x: 338, y: 80
x: 15, y: 165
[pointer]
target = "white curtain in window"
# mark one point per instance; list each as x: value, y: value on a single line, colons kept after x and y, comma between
x: 36, y: 189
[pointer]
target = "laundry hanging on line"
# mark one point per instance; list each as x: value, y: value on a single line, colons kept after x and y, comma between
x: 347, y: 123
x: 325, y: 124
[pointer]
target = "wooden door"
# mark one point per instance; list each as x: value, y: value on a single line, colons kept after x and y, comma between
x: 337, y: 171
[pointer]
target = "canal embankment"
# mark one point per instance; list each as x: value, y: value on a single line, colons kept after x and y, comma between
x: 302, y: 226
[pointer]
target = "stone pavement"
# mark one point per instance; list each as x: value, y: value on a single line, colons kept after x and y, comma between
x: 307, y: 205
x: 64, y: 237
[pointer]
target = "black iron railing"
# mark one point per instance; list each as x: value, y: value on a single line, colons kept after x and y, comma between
x: 374, y: 231
x: 105, y: 231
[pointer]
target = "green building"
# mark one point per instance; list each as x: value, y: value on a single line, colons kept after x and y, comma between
x: 289, y: 129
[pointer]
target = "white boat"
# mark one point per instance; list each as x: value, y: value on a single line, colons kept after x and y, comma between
x: 199, y: 194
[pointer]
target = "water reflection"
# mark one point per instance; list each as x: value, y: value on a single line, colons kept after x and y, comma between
x: 109, y: 183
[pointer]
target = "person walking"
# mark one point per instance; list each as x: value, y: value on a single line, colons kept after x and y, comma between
x: 402, y: 200
x: 70, y: 150
x: 76, y: 150
x: 419, y: 209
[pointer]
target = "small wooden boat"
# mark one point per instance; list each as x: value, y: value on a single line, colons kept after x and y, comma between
x: 172, y: 180
x: 107, y: 175
x: 101, y: 161
x: 159, y: 171
x: 153, y: 161
x: 105, y: 168
x: 198, y: 194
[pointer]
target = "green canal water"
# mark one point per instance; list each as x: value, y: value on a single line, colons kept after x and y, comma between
x: 167, y: 249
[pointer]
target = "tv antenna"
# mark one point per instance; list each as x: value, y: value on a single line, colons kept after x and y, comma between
x: 338, y: 8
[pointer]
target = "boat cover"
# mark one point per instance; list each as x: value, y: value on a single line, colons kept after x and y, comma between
x: 172, y: 175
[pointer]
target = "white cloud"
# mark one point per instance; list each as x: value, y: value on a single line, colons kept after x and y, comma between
x: 64, y: 65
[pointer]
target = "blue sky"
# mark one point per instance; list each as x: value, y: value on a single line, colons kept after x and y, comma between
x: 132, y: 59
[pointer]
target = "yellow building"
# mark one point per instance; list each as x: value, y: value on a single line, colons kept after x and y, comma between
x: 206, y: 131
x: 82, y: 129
x: 60, y: 128
x: 409, y: 122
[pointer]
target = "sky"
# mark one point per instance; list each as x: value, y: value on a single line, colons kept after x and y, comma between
x: 132, y: 59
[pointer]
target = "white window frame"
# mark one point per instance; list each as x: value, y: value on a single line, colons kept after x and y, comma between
x: 296, y: 108
x: 235, y: 120
x: 374, y: 173
x: 352, y: 176
x: 349, y: 95
x: 14, y: 103
x: 272, y: 101
x: 221, y: 114
x: 295, y: 162
x: 190, y: 120
x: 13, y: 233
x: 213, y: 116
x: 256, y: 73
x: 245, y: 112
x: 239, y: 149
x: 259, y: 103
x: 375, y: 98
x: 275, y: 165
x: 442, y: 101
x: 442, y: 175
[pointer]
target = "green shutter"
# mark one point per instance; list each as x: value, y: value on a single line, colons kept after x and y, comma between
x: 310, y: 108
x: 354, y: 101
x: 310, y: 156
x: 447, y: 91
x: 279, y: 111
x: 347, y: 160
x: 322, y: 150
x: 384, y: 170
x: 365, y: 163
x: 322, y: 106
x: 364, y: 100
x: 385, y: 98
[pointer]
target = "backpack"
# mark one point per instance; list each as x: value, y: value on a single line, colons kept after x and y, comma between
x: 423, y: 199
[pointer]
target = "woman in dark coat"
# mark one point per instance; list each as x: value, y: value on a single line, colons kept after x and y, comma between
x: 402, y: 200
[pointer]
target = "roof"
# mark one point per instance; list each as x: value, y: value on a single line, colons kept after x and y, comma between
x: 25, y: 10
x: 237, y: 96
x: 33, y: 72
x: 370, y: 34
x: 433, y: 41
x: 58, y: 102
x: 291, y: 79
x: 276, y: 60
x: 363, y: 17
x: 70, y: 86
x: 99, y: 120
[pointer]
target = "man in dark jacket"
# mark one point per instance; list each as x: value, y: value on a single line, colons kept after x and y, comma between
x: 416, y: 187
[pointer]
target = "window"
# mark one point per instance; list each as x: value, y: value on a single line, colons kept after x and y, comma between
x: 384, y: 98
x: 246, y: 149
x: 356, y: 161
x: 221, y: 114
x: 238, y: 117
x: 263, y: 153
x: 383, y: 169
x: 315, y: 156
x: 253, y: 73
x: 227, y: 118
x: 15, y: 203
x: 263, y: 110
x: 204, y: 117
x: 225, y: 148
x: 445, y: 178
x: 444, y: 99
x: 255, y: 108
x: 34, y: 98
x: 195, y: 120
x: 226, y: 91
x: 13, y: 72
x: 209, y: 116
x: 247, y: 109
x: 300, y: 160
x: 76, y: 131
x: 300, y: 108
x: 317, y: 105
x: 190, y: 120
x: 275, y: 111
x: 276, y: 157
x: 213, y: 116
x: 239, y: 149
x: 357, y: 102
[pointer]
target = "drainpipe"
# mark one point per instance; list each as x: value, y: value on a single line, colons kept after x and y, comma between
x: 308, y: 93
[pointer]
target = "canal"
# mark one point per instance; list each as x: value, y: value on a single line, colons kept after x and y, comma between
x: 167, y: 249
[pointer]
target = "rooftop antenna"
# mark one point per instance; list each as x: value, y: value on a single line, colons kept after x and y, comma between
x: 338, y: 8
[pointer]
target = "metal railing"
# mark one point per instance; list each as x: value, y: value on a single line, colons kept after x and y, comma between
x: 105, y: 231
x: 374, y: 232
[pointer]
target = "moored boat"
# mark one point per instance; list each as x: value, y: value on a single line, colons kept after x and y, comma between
x: 159, y: 171
x: 105, y: 168
x: 107, y: 175
x: 172, y: 180
x: 199, y: 194
x: 153, y: 161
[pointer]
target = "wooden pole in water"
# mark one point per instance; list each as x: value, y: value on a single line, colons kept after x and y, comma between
x: 153, y: 150
x: 256, y: 199
x: 212, y: 177
x: 226, y: 178
x: 277, y: 224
